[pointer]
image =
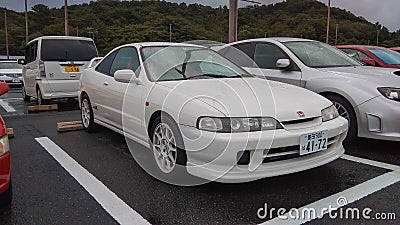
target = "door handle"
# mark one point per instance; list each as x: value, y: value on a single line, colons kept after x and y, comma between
x: 105, y: 83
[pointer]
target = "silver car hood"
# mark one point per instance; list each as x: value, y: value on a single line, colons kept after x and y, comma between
x: 380, y: 76
x: 251, y: 97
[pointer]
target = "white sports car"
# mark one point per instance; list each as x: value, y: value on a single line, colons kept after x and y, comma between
x: 198, y: 111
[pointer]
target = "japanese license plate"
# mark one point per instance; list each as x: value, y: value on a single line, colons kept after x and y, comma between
x: 71, y: 69
x: 313, y: 142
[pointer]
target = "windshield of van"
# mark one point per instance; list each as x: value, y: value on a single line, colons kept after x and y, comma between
x: 67, y: 50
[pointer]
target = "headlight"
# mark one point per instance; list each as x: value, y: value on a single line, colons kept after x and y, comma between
x: 390, y: 93
x: 4, y: 146
x: 237, y: 124
x: 329, y: 113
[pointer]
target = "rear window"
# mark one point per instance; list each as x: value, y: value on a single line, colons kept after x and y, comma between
x: 68, y: 50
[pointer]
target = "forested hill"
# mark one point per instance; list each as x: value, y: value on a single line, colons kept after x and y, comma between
x: 113, y: 23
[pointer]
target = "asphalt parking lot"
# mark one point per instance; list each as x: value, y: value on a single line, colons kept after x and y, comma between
x: 98, y: 182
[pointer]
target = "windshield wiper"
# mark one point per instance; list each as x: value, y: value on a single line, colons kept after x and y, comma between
x: 212, y: 76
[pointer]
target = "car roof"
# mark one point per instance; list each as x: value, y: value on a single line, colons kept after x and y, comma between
x: 61, y: 38
x: 150, y: 44
x: 280, y: 39
x: 358, y: 46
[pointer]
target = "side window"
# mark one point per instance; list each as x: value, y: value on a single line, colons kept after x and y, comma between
x: 126, y: 58
x: 105, y: 65
x: 241, y: 54
x: 266, y: 55
x: 362, y: 55
x: 31, y: 52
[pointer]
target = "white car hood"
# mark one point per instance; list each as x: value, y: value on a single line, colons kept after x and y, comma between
x: 381, y: 76
x: 253, y: 97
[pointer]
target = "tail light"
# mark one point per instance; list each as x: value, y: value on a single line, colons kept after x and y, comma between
x: 4, y: 145
x: 42, y: 70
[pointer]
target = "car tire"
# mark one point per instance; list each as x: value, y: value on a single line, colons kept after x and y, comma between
x: 6, y: 197
x: 346, y: 110
x: 24, y: 95
x: 168, y: 146
x: 40, y: 99
x: 87, y: 115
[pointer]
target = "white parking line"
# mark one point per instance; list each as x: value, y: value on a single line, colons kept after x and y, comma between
x: 117, y: 208
x: 6, y: 106
x: 370, y: 162
x: 350, y: 195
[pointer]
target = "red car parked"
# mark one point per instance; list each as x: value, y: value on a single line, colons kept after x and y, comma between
x: 5, y: 172
x: 373, y: 55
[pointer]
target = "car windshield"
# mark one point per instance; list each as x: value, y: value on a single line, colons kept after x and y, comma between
x: 319, y: 55
x: 165, y: 63
x: 10, y: 65
x: 386, y: 55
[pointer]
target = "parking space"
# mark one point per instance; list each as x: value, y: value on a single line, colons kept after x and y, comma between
x: 48, y: 190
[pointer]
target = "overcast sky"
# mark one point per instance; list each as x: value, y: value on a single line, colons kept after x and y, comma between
x: 384, y: 11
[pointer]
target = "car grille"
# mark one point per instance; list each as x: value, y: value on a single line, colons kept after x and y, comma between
x: 279, y: 154
x: 302, y: 123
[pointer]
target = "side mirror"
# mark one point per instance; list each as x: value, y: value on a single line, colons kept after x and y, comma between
x: 369, y: 62
x: 21, y: 61
x: 4, y: 88
x: 283, y: 64
x: 125, y: 76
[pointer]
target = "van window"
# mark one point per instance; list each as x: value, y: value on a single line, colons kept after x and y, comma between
x: 67, y: 50
x: 31, y: 52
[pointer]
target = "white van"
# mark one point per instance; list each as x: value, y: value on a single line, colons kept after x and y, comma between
x: 53, y: 65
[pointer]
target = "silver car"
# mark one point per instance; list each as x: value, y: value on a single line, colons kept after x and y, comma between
x: 368, y: 97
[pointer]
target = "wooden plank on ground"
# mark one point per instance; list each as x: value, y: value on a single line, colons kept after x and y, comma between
x: 38, y: 108
x: 69, y: 126
x: 10, y: 132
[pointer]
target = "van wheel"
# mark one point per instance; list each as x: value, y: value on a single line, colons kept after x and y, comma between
x: 40, y: 99
x: 87, y: 115
x: 24, y: 95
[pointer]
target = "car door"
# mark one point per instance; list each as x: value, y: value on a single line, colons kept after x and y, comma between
x: 126, y: 58
x: 266, y: 56
x: 31, y: 68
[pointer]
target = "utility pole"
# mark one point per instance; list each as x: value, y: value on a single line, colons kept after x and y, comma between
x: 336, y: 35
x: 26, y: 22
x: 6, y: 31
x: 233, y: 19
x: 328, y: 22
x: 66, y: 17
x: 170, y: 32
x: 377, y: 37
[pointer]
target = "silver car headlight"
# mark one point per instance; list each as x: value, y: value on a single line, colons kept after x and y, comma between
x: 390, y: 93
x: 237, y: 124
x: 329, y: 113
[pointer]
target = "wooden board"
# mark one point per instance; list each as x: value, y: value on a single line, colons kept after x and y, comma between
x: 10, y: 132
x: 38, y: 108
x: 69, y: 126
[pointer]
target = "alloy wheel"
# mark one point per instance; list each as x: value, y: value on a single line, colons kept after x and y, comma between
x: 164, y: 147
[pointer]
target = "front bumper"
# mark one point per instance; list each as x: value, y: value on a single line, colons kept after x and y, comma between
x: 214, y: 156
x: 379, y: 118
x: 4, y: 172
